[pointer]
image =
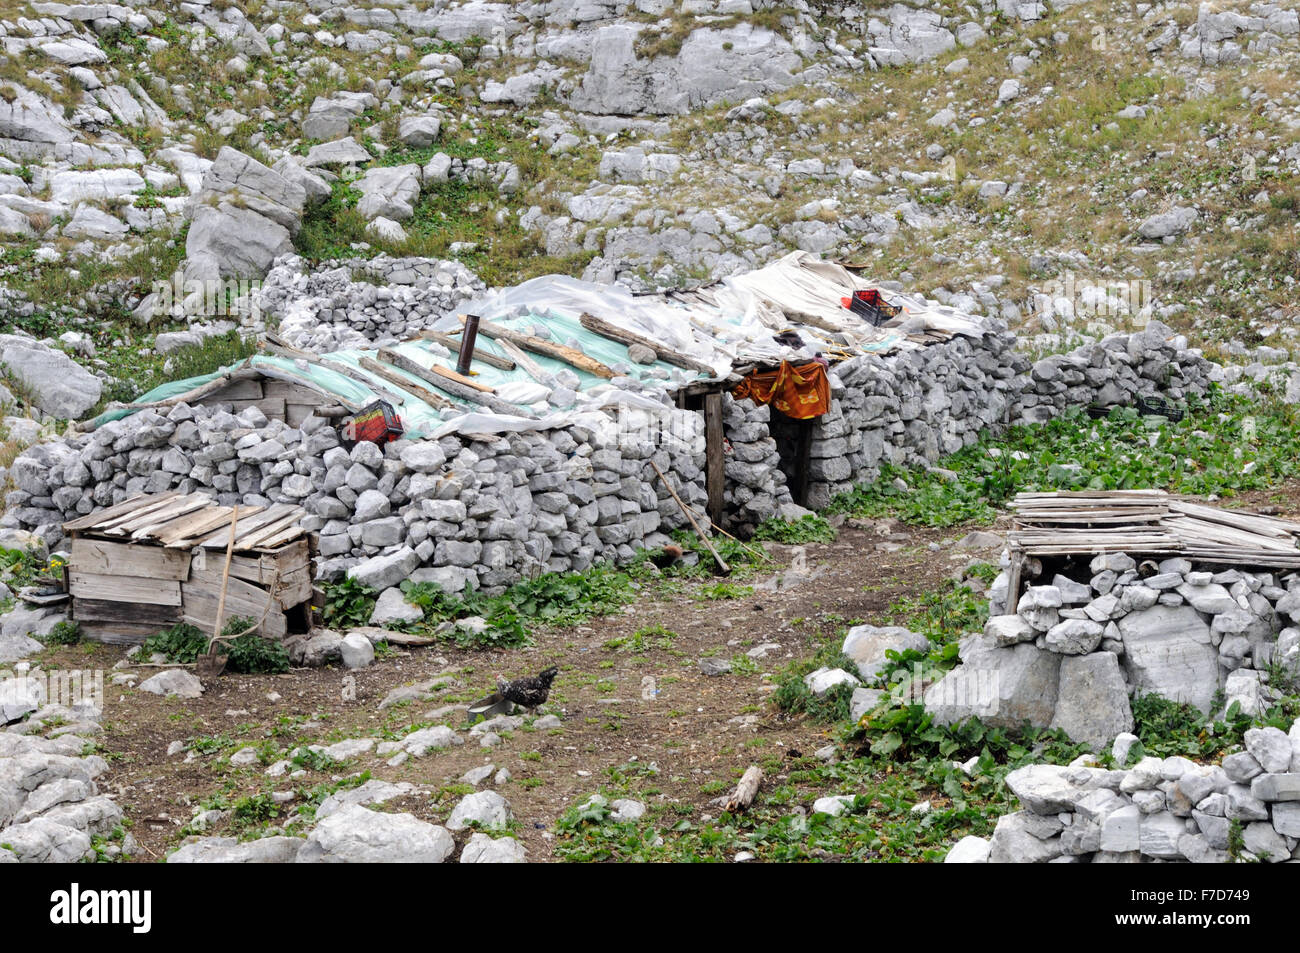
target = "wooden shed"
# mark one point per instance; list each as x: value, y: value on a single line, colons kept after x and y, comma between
x: 152, y: 561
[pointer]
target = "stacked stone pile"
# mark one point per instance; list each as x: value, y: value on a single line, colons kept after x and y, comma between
x: 50, y: 805
x: 756, y: 487
x: 362, y: 302
x: 1115, y: 370
x: 911, y: 408
x: 1160, y: 809
x: 1075, y: 650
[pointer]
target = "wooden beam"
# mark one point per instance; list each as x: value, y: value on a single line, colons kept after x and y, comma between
x: 436, y: 401
x: 453, y: 344
x: 241, y: 370
x: 461, y: 379
x: 715, y: 458
x: 397, y: 400
x: 559, y: 352
x: 453, y: 386
x: 138, y: 590
x: 627, y: 338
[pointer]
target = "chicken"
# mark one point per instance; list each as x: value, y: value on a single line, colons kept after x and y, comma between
x: 669, y: 555
x: 529, y: 693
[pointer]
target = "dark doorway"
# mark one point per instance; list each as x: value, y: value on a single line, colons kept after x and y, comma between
x: 793, y: 442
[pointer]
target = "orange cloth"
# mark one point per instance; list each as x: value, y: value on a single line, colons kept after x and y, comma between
x: 801, y: 391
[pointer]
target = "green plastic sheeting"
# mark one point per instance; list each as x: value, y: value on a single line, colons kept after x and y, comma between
x: 418, y: 417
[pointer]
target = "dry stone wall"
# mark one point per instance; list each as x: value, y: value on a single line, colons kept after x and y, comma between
x: 491, y: 510
x: 1075, y: 650
x: 1159, y: 810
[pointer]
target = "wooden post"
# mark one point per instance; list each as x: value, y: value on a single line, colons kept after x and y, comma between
x: 468, y: 338
x: 1013, y: 580
x: 715, y: 477
x: 225, y: 578
x: 454, y: 344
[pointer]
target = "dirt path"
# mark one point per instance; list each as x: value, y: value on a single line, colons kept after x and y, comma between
x: 698, y: 732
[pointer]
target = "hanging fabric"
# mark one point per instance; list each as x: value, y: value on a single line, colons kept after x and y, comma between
x: 799, y: 391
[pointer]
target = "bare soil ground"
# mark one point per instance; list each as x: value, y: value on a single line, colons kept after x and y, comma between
x: 689, y: 728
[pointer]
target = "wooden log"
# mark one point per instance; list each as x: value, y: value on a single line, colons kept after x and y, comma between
x: 453, y: 344
x: 396, y: 638
x: 397, y: 400
x: 530, y: 367
x: 461, y: 379
x: 746, y: 790
x: 559, y: 352
x: 453, y: 386
x: 628, y: 338
x: 102, y: 557
x: 436, y: 401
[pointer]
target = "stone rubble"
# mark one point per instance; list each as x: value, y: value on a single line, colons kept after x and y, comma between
x: 1074, y: 651
x: 1169, y: 809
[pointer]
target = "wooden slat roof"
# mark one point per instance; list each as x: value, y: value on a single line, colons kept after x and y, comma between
x: 184, y: 521
x: 1150, y: 522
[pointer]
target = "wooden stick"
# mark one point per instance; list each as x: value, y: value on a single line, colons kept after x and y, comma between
x: 225, y: 578
x: 453, y: 344
x: 746, y: 790
x: 559, y: 352
x: 625, y: 337
x: 722, y: 565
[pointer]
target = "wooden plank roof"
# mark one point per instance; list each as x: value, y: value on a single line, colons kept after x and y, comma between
x: 184, y: 521
x: 1150, y: 522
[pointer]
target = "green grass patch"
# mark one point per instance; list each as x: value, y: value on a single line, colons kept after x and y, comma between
x: 1224, y: 445
x: 806, y: 529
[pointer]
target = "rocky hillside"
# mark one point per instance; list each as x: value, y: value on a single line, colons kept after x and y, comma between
x: 1069, y: 166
